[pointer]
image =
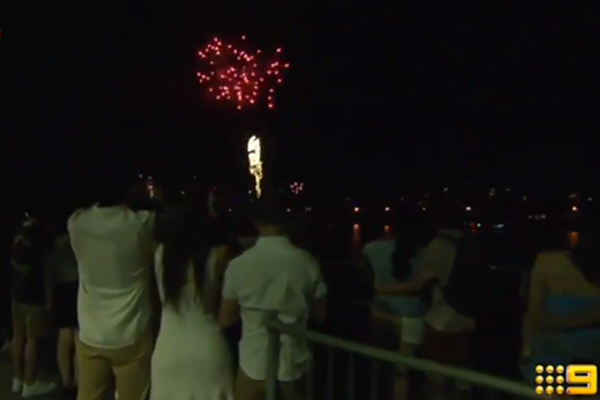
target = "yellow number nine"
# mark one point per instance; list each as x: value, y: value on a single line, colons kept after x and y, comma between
x: 585, y: 375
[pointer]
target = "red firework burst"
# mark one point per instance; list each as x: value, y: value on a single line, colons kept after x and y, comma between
x: 232, y: 74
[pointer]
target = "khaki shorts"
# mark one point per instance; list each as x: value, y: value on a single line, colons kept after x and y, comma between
x: 29, y: 321
x: 130, y: 367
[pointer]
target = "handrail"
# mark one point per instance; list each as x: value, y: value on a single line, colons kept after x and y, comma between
x: 472, y: 377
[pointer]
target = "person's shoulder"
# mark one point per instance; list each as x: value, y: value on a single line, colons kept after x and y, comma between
x: 439, y: 242
x: 304, y: 258
x: 241, y: 261
x: 370, y: 246
x: 140, y: 215
x: 138, y: 219
x: 552, y: 259
x: 77, y: 214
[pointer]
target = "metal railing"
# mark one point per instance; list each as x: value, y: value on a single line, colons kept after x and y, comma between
x: 491, y: 386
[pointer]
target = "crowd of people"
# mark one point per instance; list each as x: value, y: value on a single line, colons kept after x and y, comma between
x: 148, y: 304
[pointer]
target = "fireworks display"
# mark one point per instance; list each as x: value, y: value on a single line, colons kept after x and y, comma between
x: 233, y: 74
x: 255, y: 166
x: 296, y: 187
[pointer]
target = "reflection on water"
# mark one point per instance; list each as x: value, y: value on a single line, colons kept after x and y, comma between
x: 572, y: 237
x: 356, y: 234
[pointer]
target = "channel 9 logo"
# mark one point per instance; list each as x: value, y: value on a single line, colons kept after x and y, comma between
x: 574, y: 380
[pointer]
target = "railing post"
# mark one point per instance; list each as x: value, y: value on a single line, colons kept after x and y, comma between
x: 272, y: 361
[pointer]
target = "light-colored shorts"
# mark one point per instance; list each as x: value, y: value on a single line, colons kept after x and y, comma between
x: 412, y: 330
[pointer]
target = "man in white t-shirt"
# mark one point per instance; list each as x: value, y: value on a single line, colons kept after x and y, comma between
x: 113, y: 246
x: 271, y: 278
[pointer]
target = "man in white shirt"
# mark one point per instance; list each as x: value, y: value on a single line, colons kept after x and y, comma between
x: 271, y: 278
x: 113, y: 246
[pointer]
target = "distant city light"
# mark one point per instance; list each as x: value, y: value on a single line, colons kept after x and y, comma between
x: 309, y: 209
x: 590, y: 199
x: 289, y: 210
x: 296, y: 187
x: 468, y: 208
x: 387, y: 209
x: 574, y: 208
x: 424, y: 208
x: 150, y: 187
x: 445, y: 190
x: 356, y: 209
x: 524, y: 198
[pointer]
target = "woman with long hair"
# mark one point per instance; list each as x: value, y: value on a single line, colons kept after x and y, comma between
x: 397, y: 258
x: 562, y: 322
x: 191, y: 359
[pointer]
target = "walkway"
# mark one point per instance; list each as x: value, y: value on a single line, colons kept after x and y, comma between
x: 6, y: 381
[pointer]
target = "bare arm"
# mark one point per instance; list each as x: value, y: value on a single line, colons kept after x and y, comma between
x: 228, y: 313
x: 215, y: 276
x: 229, y: 310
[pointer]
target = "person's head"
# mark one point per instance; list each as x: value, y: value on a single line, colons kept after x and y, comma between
x: 186, y: 247
x: 410, y: 234
x: 410, y: 224
x: 269, y: 215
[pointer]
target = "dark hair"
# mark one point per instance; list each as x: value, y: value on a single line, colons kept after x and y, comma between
x: 410, y: 234
x: 187, y: 243
x: 269, y: 210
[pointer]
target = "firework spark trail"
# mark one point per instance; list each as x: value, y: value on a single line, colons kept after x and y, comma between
x: 233, y: 74
x: 255, y: 165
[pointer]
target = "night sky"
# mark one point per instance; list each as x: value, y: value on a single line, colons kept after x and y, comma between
x: 376, y: 98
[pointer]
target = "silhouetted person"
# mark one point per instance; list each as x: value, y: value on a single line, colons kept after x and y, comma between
x: 272, y: 277
x: 29, y: 308
x: 113, y: 244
